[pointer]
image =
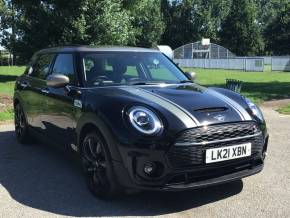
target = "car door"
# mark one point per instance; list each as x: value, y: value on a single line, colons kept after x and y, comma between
x: 33, y: 87
x: 60, y: 119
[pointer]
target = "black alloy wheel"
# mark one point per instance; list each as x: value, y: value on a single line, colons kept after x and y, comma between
x: 97, y: 167
x: 21, y: 127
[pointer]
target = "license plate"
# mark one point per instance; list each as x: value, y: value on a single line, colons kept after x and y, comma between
x: 228, y: 153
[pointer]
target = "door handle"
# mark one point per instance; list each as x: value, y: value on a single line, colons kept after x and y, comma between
x: 45, y: 91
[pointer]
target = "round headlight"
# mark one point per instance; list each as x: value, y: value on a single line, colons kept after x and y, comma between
x: 255, y: 109
x: 144, y: 120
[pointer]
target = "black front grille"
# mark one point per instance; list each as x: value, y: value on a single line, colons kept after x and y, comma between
x: 192, y: 152
x: 217, y: 132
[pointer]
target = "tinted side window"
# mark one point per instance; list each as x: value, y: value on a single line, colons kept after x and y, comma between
x: 42, y: 66
x: 64, y: 65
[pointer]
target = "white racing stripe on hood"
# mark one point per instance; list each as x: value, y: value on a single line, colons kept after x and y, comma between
x: 238, y: 108
x: 186, y: 118
x: 176, y: 105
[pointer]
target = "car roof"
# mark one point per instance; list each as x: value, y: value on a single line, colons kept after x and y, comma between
x: 83, y: 48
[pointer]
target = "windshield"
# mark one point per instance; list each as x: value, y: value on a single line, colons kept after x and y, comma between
x: 129, y: 68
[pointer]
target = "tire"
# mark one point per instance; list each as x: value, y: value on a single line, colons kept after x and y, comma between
x: 21, y: 126
x: 97, y: 166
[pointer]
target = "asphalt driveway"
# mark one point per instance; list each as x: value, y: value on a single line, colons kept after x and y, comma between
x: 40, y: 181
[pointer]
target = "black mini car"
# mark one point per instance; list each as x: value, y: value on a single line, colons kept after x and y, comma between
x: 137, y: 121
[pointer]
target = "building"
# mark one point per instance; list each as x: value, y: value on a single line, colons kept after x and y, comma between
x: 202, y: 50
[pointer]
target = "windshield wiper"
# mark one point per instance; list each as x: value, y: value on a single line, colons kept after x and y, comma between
x: 186, y: 81
x: 143, y: 83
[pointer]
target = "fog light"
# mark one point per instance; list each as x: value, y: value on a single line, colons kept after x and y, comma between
x: 149, y: 168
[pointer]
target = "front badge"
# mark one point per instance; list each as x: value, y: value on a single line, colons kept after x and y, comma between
x: 220, y: 117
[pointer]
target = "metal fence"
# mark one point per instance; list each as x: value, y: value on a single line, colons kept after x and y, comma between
x: 267, y: 59
x: 280, y: 63
x: 246, y: 64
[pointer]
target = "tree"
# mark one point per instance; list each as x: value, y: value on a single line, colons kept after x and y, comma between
x: 107, y: 23
x: 267, y: 10
x: 7, y: 25
x: 191, y: 20
x: 47, y: 23
x: 41, y: 24
x: 207, y: 16
x: 240, y: 31
x: 147, y: 21
x: 277, y: 33
x: 2, y: 5
x: 179, y: 28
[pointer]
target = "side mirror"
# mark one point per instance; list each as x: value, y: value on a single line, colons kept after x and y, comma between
x: 191, y: 75
x: 57, y: 80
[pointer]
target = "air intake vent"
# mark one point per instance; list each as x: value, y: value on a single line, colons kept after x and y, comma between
x: 211, y: 110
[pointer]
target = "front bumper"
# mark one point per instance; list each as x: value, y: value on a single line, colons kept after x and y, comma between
x: 179, y: 182
x: 217, y: 180
x: 186, y: 169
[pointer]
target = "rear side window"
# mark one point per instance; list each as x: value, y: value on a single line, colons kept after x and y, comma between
x: 64, y: 64
x: 42, y: 66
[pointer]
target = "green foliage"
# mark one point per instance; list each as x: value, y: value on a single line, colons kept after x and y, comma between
x: 107, y: 23
x: 29, y: 25
x: 147, y: 21
x: 178, y: 29
x: 2, y: 6
x: 237, y: 25
x: 192, y: 20
x: 277, y: 33
x: 41, y: 24
x: 207, y: 16
x: 266, y: 11
x: 240, y: 31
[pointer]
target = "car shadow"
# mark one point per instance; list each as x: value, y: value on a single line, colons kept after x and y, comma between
x: 7, y: 78
x: 42, y: 177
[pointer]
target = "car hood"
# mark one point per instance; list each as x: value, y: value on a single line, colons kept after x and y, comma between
x: 193, y: 104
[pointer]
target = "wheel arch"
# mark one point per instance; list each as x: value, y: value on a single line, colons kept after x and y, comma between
x: 89, y: 122
x: 18, y: 100
x: 15, y: 101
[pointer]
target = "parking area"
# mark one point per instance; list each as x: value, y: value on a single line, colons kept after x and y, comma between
x: 40, y: 181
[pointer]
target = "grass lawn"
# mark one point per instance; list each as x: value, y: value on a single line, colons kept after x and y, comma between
x: 258, y: 86
x: 284, y: 110
x: 6, y: 115
x: 8, y: 76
